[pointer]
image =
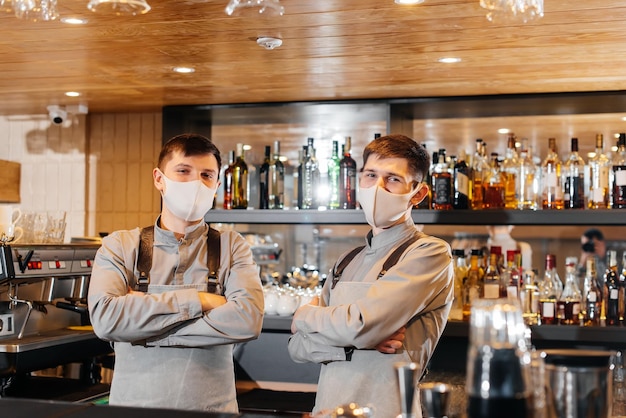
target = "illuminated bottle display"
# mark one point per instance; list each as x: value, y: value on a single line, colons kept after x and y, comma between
x: 347, y: 178
x: 276, y: 182
x: 574, y: 179
x: 240, y: 180
x: 599, y: 169
x: 551, y: 184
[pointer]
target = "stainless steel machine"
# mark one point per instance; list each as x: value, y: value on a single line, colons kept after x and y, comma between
x: 44, y: 321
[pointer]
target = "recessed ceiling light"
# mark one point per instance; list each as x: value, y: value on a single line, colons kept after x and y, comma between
x: 74, y: 20
x: 184, y: 70
x: 72, y: 93
x: 449, y: 60
x: 503, y: 131
x: 624, y: 118
x: 408, y: 1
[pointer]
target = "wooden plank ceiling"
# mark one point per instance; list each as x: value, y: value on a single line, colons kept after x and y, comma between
x: 332, y: 50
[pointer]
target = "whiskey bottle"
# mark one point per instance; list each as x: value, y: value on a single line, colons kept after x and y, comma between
x: 551, y: 183
x: 240, y: 180
x: 574, y: 179
x: 509, y: 168
x: 592, y: 295
x: 599, y: 168
x: 472, y: 287
x: 611, y: 290
x: 276, y: 183
x: 493, y: 185
x: 480, y: 167
x: 442, y: 183
x: 462, y: 183
x: 347, y: 178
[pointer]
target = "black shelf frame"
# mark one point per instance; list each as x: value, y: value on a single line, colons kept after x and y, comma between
x: 604, y: 217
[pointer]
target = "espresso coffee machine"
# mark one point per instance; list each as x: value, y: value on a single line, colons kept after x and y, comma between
x: 44, y: 321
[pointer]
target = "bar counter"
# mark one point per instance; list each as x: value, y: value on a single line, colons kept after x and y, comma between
x: 28, y: 408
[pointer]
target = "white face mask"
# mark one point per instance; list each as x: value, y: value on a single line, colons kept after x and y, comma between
x: 188, y: 200
x: 382, y: 208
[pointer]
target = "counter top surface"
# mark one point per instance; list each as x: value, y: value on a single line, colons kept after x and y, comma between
x: 28, y: 408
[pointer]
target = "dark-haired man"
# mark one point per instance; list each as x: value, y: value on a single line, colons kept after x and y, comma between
x: 172, y: 328
x: 369, y: 319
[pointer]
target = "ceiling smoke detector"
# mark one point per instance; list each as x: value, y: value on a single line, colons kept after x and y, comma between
x: 268, y: 42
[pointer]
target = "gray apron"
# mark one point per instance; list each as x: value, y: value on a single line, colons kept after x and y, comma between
x: 369, y: 379
x: 174, y: 377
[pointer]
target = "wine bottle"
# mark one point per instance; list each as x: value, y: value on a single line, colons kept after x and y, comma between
x: 240, y: 180
x: 347, y: 178
x: 228, y: 182
x: 611, y: 290
x: 276, y: 182
x: 619, y: 174
x: 264, y: 180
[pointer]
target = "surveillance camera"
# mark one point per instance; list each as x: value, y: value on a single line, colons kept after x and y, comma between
x: 57, y: 114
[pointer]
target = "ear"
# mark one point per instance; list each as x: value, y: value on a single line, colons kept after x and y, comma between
x: 420, y: 195
x: 157, y: 177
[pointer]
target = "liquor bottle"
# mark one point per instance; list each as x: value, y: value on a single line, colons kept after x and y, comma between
x: 333, y: 177
x: 228, y: 181
x: 574, y: 179
x: 264, y: 179
x: 310, y: 178
x: 462, y: 183
x: 592, y: 295
x: 300, y: 172
x: 599, y: 168
x: 460, y: 276
x: 527, y: 179
x: 509, y: 168
x: 529, y: 298
x: 347, y: 178
x: 442, y: 183
x: 472, y: 288
x: 551, y: 183
x: 276, y: 184
x: 240, y: 180
x: 548, y: 293
x: 511, y: 279
x: 491, y: 286
x: 619, y: 174
x: 493, y: 185
x: 611, y: 290
x: 621, y: 300
x: 480, y: 167
x: 568, y: 306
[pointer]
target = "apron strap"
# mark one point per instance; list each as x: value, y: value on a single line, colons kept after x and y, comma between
x: 144, y: 259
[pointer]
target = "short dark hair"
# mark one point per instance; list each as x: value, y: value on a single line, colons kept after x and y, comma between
x: 594, y: 234
x: 401, y: 146
x: 188, y: 145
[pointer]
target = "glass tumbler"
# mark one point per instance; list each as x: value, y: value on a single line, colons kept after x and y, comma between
x: 498, y: 361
